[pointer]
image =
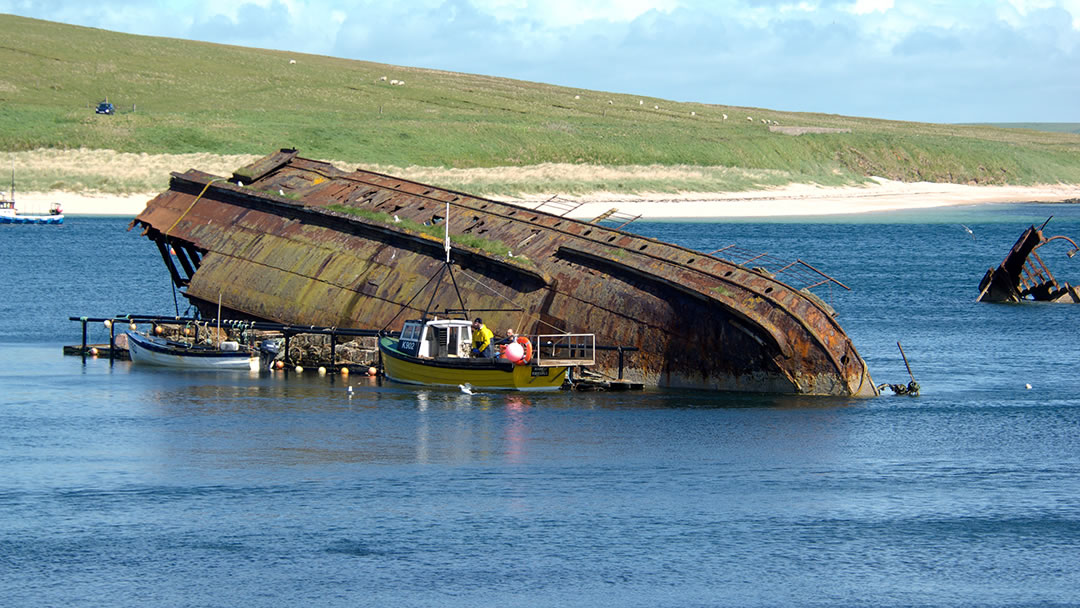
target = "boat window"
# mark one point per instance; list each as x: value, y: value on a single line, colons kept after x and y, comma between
x: 411, y: 331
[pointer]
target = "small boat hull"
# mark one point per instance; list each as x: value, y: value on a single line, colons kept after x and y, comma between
x: 497, y: 374
x: 161, y: 353
x: 32, y: 219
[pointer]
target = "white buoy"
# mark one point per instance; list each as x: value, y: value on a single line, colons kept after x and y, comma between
x: 322, y: 371
x: 298, y: 369
x: 108, y: 323
x: 132, y: 326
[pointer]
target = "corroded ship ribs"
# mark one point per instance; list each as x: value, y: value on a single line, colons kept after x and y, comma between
x: 1022, y: 275
x: 293, y: 240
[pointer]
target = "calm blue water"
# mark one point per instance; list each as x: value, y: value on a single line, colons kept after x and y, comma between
x: 126, y: 487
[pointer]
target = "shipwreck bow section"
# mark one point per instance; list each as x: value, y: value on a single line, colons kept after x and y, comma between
x: 1023, y: 276
x: 293, y: 240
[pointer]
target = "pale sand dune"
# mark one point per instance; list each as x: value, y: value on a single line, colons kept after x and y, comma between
x: 811, y: 200
x: 71, y: 174
x: 792, y: 200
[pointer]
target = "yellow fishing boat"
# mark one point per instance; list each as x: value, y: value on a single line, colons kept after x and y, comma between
x: 436, y: 352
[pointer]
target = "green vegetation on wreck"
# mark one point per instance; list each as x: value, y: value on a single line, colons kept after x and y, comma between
x: 176, y: 96
x: 496, y: 248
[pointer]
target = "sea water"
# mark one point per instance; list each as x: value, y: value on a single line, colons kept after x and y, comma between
x: 123, y: 486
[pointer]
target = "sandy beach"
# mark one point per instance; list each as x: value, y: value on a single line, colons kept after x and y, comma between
x: 811, y: 200
x: 791, y: 200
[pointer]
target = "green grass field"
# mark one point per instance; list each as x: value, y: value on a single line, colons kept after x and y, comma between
x: 182, y: 97
x: 1050, y: 127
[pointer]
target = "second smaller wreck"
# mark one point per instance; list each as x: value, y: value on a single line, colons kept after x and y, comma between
x: 1022, y: 275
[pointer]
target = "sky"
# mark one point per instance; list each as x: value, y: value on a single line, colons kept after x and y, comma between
x: 917, y: 60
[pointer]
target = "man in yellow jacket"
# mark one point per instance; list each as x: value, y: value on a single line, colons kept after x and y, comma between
x: 481, y: 339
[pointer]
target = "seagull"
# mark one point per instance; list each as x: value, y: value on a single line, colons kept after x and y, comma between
x: 397, y: 219
x: 466, y: 388
x: 281, y: 192
x: 968, y: 230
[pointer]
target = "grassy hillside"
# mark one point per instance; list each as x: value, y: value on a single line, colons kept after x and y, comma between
x: 1050, y: 127
x: 182, y: 97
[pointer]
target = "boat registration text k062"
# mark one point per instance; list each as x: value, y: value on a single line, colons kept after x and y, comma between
x: 539, y: 371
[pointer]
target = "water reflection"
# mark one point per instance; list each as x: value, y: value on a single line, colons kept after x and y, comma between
x: 268, y: 424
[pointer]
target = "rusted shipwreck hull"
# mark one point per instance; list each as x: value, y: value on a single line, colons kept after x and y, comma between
x: 1023, y: 276
x: 293, y: 240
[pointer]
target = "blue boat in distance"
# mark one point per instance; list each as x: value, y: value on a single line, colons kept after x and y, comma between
x: 9, y: 215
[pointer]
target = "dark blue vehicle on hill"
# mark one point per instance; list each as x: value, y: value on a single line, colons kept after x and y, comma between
x: 105, y: 108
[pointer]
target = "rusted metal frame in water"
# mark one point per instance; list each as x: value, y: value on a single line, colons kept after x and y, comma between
x: 181, y: 255
x: 671, y: 265
x: 826, y: 278
x: 333, y: 219
x: 778, y: 335
x: 1024, y: 275
x: 460, y: 199
x: 167, y: 257
x: 1033, y: 276
x: 457, y: 202
x: 751, y: 256
x: 596, y: 240
x: 750, y: 284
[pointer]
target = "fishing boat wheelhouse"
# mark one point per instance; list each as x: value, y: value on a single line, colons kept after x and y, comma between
x: 436, y: 352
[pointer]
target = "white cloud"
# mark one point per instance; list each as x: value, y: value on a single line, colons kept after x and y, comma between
x: 563, y: 13
x: 801, y: 7
x: 865, y: 7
